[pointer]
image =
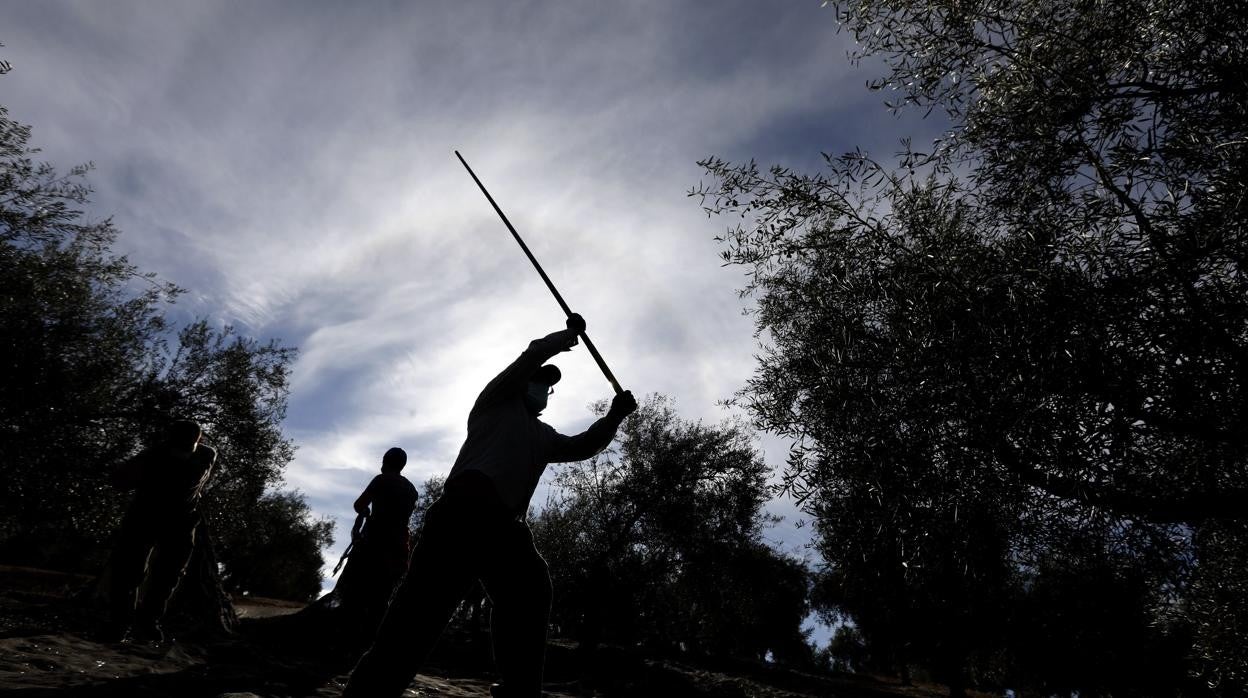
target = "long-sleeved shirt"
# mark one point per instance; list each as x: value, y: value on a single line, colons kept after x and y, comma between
x: 509, y: 444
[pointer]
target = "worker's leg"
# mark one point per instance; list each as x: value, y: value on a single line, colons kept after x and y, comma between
x: 439, y: 574
x: 126, y: 569
x: 518, y: 583
x: 164, y: 571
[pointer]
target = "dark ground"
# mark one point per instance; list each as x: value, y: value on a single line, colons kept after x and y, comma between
x: 48, y: 647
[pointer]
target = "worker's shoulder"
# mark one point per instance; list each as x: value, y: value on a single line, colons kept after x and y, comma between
x: 397, y: 487
x: 404, y: 482
x: 392, y: 480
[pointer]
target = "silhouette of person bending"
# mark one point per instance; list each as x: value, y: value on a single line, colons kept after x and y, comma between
x: 476, y: 531
x: 380, y: 542
x: 157, y: 533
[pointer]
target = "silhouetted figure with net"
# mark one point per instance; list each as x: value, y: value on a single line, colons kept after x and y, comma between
x: 157, y: 534
x: 476, y: 531
x: 380, y: 544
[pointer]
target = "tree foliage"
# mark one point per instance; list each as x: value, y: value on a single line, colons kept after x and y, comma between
x: 92, y: 371
x: 1025, y: 344
x: 658, y: 541
x: 276, y: 551
x: 75, y: 340
x: 427, y: 493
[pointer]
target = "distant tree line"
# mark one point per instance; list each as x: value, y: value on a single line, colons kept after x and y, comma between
x: 91, y: 371
x: 1015, y: 363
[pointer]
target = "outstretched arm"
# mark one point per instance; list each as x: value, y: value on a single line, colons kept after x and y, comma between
x: 599, y: 434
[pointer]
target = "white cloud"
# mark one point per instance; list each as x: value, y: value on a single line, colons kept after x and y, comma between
x: 293, y: 165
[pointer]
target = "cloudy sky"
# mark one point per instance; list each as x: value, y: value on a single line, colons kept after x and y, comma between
x: 291, y: 164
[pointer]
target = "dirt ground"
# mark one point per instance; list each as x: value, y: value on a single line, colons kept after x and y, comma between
x: 49, y: 647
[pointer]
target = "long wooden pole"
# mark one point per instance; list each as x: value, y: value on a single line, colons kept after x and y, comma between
x: 593, y: 351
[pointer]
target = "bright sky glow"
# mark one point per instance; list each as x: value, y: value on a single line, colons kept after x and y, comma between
x: 291, y: 163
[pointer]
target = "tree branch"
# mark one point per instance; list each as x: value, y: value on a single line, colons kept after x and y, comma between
x: 1183, y: 507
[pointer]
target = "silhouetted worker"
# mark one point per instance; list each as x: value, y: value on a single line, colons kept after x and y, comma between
x: 380, y: 541
x: 158, y: 531
x: 476, y: 531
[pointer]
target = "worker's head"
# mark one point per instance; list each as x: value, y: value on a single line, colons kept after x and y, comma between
x: 394, y: 460
x: 184, y: 434
x: 541, y: 387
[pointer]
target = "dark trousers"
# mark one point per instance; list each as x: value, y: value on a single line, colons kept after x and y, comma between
x: 467, y: 537
x: 151, y: 553
x: 375, y: 567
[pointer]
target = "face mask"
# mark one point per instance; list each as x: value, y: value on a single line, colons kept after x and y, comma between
x: 535, y: 397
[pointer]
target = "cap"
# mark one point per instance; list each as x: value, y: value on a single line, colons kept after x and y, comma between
x: 547, y: 375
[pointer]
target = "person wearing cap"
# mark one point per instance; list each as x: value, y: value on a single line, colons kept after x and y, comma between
x: 477, y: 531
x: 380, y: 542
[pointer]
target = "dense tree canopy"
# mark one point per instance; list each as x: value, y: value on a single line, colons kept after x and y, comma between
x: 658, y: 541
x: 1023, y: 351
x: 92, y: 372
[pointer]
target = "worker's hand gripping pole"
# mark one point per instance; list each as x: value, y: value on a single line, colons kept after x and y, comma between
x: 593, y: 351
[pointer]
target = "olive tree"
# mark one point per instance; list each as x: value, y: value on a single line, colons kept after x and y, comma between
x: 1027, y: 340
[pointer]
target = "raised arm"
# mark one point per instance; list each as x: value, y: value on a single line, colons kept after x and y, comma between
x: 584, y: 445
x: 515, y: 378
